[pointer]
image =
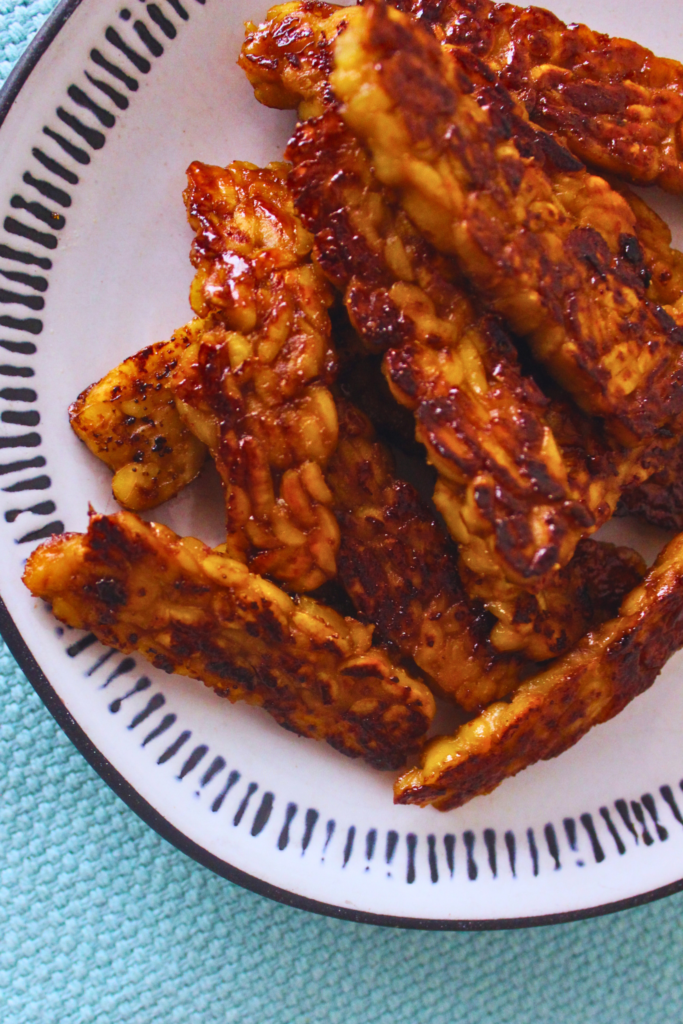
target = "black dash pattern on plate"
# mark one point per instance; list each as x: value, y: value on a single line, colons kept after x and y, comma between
x: 36, y: 218
x: 200, y: 753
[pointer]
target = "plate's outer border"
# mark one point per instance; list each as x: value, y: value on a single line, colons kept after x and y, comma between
x: 41, y: 684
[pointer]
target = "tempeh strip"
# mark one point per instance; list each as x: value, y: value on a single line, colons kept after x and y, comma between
x: 552, y: 711
x: 400, y: 571
x: 395, y: 562
x: 504, y: 486
x: 659, y: 500
x: 423, y: 612
x: 254, y: 385
x: 129, y: 420
x: 248, y: 379
x: 288, y: 61
x: 615, y: 103
x: 453, y: 24
x: 139, y: 587
x: 461, y: 178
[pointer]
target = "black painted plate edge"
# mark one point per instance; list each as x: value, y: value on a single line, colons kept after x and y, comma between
x: 41, y: 684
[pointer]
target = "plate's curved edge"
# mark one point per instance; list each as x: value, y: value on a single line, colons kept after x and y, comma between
x: 123, y: 789
x: 171, y: 834
x: 32, y: 54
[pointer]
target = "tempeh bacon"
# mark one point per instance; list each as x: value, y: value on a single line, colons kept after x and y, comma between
x: 616, y: 104
x: 139, y: 587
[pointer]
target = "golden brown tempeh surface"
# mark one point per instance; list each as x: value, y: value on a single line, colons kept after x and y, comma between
x: 188, y: 609
x: 130, y: 421
x: 662, y: 264
x: 481, y: 420
x: 524, y: 314
x: 202, y: 386
x: 254, y: 386
x: 544, y: 626
x: 582, y: 595
x: 615, y: 103
x: 427, y: 615
x: 401, y: 572
x: 402, y: 575
x: 288, y: 61
x: 558, y: 280
x: 553, y: 710
x: 659, y: 500
x: 248, y: 380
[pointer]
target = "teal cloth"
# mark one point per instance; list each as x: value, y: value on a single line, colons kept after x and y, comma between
x: 102, y: 922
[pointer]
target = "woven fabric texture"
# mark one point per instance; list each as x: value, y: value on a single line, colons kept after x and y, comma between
x: 102, y: 922
x: 19, y: 21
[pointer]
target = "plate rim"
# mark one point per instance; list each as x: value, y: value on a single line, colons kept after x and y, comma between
x: 123, y: 789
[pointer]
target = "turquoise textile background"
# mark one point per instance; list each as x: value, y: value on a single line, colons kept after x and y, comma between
x: 102, y: 922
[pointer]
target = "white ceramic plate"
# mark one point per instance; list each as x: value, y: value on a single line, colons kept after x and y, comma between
x: 101, y: 118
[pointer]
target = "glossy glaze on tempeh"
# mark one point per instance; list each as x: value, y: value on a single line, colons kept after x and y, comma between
x: 571, y: 289
x: 659, y: 500
x: 254, y: 386
x: 615, y: 103
x: 139, y: 587
x: 130, y: 421
x: 403, y: 296
x: 523, y: 474
x: 401, y: 572
x: 550, y: 712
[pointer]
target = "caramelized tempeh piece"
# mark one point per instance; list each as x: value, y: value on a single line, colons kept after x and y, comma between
x: 401, y: 572
x: 288, y: 58
x: 130, y: 421
x: 553, y: 710
x: 254, y: 385
x: 140, y: 587
x: 450, y: 643
x: 583, y: 595
x: 421, y: 608
x: 402, y: 575
x: 362, y: 382
x: 616, y: 104
x: 503, y: 486
x: 424, y: 613
x: 248, y: 380
x: 288, y: 61
x: 663, y: 265
x: 456, y: 24
x: 565, y: 285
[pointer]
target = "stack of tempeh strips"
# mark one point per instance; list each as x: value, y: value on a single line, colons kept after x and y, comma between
x: 526, y: 314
